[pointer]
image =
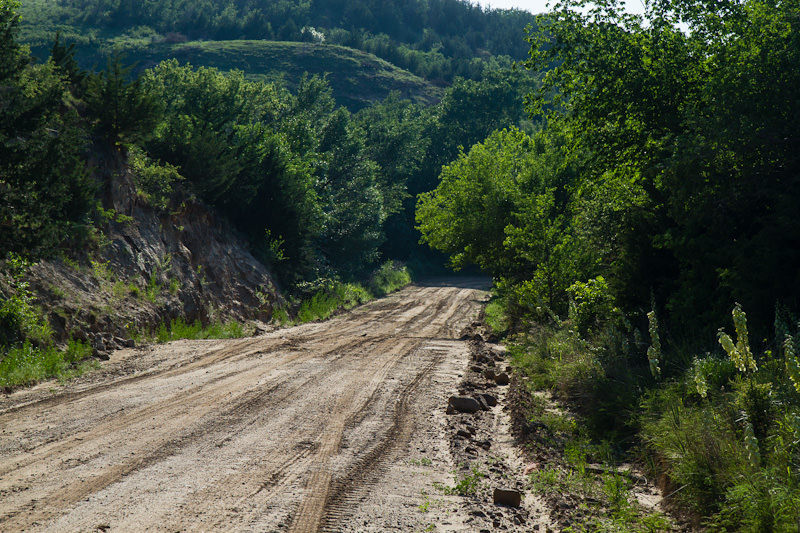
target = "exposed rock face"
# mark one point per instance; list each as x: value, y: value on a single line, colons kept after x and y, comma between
x: 155, y: 267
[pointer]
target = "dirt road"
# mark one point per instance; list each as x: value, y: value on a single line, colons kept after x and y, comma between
x: 288, y: 431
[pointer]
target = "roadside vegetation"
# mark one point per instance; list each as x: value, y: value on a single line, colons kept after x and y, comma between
x: 27, y: 351
x: 323, y: 298
x: 641, y: 242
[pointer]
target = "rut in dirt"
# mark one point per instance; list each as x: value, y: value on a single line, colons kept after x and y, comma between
x: 274, y: 433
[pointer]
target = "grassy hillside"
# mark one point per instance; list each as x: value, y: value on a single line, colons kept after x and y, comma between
x: 357, y: 78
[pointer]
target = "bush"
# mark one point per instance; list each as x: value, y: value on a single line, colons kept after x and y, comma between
x: 154, y: 180
x: 389, y: 277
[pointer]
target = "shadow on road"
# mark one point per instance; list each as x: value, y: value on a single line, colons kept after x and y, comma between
x: 462, y: 282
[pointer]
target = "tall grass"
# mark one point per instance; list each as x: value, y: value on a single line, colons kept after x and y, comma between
x: 28, y: 364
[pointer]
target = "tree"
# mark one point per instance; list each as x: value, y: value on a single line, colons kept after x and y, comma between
x: 123, y: 111
x: 690, y: 150
x: 44, y: 189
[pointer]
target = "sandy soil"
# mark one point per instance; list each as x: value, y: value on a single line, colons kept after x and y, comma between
x: 334, y: 426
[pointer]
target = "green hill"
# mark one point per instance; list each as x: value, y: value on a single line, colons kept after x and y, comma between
x: 357, y: 78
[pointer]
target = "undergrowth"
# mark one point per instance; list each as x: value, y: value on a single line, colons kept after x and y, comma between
x: 321, y: 299
x: 178, y: 329
x: 722, y: 427
x: 27, y: 352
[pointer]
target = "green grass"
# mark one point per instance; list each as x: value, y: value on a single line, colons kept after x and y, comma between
x: 329, y: 300
x: 388, y: 278
x: 495, y: 317
x: 180, y: 329
x: 27, y: 364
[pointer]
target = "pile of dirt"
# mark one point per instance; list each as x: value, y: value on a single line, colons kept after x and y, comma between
x: 490, y: 473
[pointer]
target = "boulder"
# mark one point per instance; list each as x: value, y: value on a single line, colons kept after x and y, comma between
x: 506, y: 496
x: 464, y: 404
x: 490, y: 400
x: 482, y: 402
x: 502, y: 379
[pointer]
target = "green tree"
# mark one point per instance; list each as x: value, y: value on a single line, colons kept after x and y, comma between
x: 505, y: 206
x: 123, y: 110
x: 241, y: 148
x: 44, y: 188
x: 395, y: 139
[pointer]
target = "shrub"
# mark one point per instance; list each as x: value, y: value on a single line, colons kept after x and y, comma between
x: 389, y: 277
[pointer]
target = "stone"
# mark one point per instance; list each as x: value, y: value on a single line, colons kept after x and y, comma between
x: 490, y: 400
x: 464, y: 433
x: 489, y: 374
x: 506, y: 496
x: 482, y: 402
x: 464, y: 404
x: 502, y: 379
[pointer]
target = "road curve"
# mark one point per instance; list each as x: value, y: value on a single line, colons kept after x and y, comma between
x: 269, y: 433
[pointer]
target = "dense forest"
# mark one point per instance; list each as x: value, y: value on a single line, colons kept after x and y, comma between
x: 632, y: 187
x: 435, y: 39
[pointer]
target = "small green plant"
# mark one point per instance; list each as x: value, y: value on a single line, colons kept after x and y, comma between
x: 792, y: 364
x: 274, y: 253
x: 466, y: 485
x: 592, y: 303
x: 20, y: 319
x: 105, y: 216
x: 174, y: 286
x: 155, y: 180
x: 153, y: 289
x: 281, y: 316
x: 425, y: 506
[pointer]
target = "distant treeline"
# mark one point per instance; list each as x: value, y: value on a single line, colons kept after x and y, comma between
x: 436, y: 39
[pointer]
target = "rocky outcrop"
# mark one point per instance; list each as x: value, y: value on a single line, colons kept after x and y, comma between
x: 151, y: 267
